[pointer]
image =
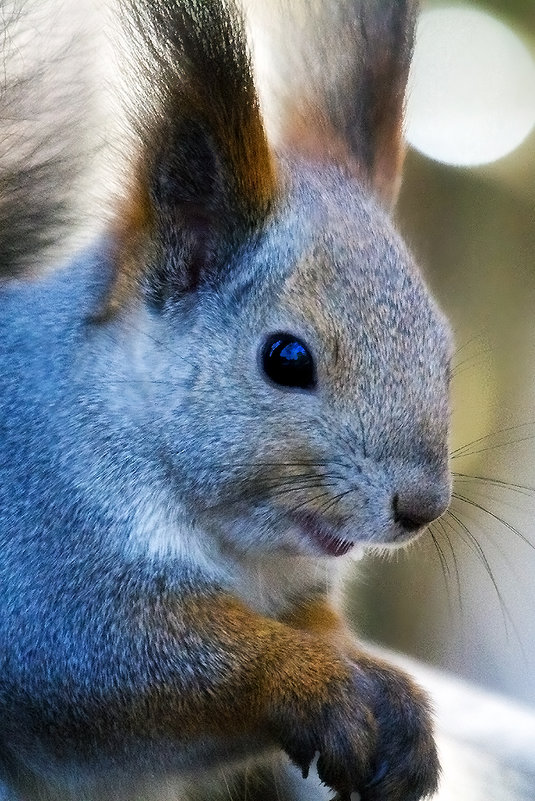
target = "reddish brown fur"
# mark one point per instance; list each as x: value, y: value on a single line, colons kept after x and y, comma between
x: 318, y: 617
x: 355, y: 119
x: 273, y: 668
x: 302, y: 682
x: 310, y: 133
x: 132, y: 232
x: 260, y: 672
x: 390, y: 38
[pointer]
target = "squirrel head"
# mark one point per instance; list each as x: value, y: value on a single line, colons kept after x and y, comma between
x: 299, y: 366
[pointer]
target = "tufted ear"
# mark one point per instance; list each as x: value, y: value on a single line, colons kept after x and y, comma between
x: 203, y: 174
x: 339, y: 85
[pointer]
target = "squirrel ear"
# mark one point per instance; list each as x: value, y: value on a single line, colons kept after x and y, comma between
x: 340, y: 83
x: 204, y: 173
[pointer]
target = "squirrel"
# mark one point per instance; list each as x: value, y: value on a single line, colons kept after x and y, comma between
x: 241, y: 383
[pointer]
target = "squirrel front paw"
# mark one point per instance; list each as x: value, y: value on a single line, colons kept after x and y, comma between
x: 373, y: 734
x: 405, y: 765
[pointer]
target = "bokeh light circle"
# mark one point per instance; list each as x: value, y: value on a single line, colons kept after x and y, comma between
x: 471, y: 94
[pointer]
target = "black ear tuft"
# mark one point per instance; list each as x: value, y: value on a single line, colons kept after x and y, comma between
x: 194, y: 224
x: 204, y: 174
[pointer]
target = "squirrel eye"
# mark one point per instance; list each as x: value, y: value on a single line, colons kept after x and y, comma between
x: 288, y: 362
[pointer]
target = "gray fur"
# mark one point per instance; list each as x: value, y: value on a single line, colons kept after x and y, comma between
x: 147, y: 457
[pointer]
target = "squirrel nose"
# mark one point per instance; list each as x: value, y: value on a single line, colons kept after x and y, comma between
x: 413, y: 510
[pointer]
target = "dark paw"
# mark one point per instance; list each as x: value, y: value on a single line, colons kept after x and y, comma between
x: 340, y: 729
x: 406, y: 766
x: 373, y: 734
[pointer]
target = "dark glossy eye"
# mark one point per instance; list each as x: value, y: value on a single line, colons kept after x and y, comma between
x: 288, y: 362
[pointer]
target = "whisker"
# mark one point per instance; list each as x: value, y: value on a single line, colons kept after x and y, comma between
x: 523, y: 489
x: 445, y: 568
x: 463, y: 450
x: 471, y: 361
x: 314, y: 499
x: 246, y: 778
x: 334, y: 500
x: 442, y: 557
x: 468, y: 342
x: 494, y: 516
x: 311, y: 475
x: 495, y: 447
x: 154, y: 339
x: 362, y: 433
x: 164, y: 382
x: 227, y: 785
x: 276, y: 783
x: 287, y: 490
x: 476, y: 548
x: 455, y: 563
x: 278, y: 464
x: 276, y: 486
x: 448, y: 524
x: 391, y: 438
x: 276, y: 492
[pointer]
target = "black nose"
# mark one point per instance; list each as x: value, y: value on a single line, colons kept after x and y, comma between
x: 414, y: 510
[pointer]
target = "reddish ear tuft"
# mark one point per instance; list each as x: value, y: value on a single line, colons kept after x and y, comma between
x: 387, y: 44
x: 343, y: 74
x: 130, y: 235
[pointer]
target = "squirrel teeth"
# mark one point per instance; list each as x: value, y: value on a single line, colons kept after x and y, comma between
x: 322, y: 534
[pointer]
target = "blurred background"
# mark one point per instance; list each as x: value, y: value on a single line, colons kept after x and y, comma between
x: 463, y: 597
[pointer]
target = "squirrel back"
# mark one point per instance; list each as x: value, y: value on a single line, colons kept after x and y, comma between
x: 242, y: 382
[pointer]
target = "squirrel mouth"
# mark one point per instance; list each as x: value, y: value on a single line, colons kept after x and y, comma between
x: 321, y: 534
